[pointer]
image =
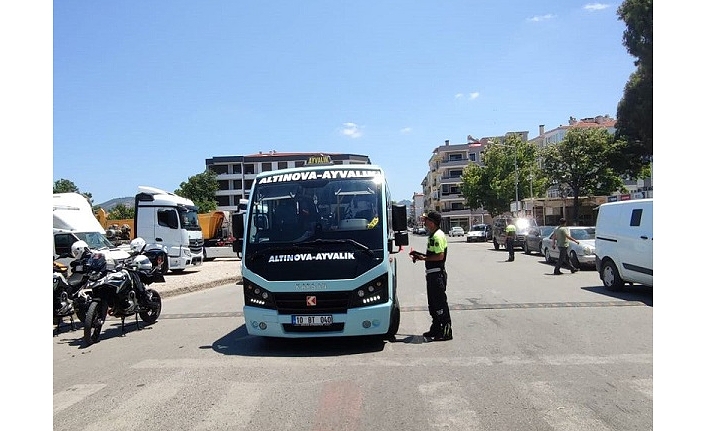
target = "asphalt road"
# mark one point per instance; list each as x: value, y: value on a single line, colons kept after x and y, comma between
x: 531, y: 351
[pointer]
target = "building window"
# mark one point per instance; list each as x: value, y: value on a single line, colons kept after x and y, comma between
x: 248, y: 184
x: 223, y: 185
x: 281, y: 165
x: 298, y: 163
x: 237, y: 184
x: 238, y: 169
x: 219, y: 169
x: 266, y: 166
x: 223, y: 201
x: 249, y: 168
x: 472, y: 157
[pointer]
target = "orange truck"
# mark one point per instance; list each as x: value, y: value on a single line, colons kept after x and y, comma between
x: 218, y: 239
x: 120, y: 231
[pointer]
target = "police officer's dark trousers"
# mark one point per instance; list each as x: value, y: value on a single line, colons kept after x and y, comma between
x: 510, y: 246
x: 436, y: 298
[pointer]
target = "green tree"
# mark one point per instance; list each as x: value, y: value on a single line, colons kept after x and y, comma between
x: 635, y: 109
x: 580, y: 163
x: 201, y: 189
x: 68, y: 186
x: 121, y: 211
x: 492, y: 185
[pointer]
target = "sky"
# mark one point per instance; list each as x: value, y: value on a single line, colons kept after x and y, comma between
x: 145, y: 92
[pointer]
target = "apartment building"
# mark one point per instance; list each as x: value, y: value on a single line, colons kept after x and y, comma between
x: 442, y: 184
x: 235, y: 174
x: 637, y: 188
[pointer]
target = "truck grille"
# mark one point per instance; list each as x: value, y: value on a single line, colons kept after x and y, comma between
x: 195, y: 246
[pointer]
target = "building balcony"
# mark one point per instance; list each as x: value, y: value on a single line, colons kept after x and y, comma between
x: 450, y: 180
x: 448, y: 163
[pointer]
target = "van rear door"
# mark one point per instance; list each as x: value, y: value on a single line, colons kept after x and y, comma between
x: 637, y: 241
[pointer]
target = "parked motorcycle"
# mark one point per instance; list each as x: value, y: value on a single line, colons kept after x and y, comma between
x: 71, y: 293
x: 123, y: 292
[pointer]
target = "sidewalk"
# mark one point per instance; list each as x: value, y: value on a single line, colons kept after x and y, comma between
x: 209, y: 274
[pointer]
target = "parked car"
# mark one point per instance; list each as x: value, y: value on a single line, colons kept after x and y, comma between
x: 479, y: 233
x: 522, y: 226
x: 456, y: 231
x: 419, y: 230
x: 533, y: 240
x: 582, y: 254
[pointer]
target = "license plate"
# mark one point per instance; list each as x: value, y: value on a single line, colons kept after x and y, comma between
x: 312, y: 320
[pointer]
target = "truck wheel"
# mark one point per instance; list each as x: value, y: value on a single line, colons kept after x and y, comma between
x: 611, y: 276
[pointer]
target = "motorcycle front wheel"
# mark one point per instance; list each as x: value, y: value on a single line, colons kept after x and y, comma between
x: 153, y: 306
x: 80, y: 307
x: 95, y: 317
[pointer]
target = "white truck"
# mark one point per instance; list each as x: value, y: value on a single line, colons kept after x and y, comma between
x: 172, y: 221
x: 74, y: 220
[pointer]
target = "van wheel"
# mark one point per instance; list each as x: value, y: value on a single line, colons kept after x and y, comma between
x: 611, y: 277
x: 496, y: 245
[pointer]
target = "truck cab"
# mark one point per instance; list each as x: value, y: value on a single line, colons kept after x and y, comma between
x: 172, y: 221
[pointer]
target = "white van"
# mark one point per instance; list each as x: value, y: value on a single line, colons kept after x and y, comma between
x: 624, y: 243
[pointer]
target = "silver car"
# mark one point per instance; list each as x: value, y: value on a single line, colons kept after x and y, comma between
x: 479, y: 233
x: 582, y: 254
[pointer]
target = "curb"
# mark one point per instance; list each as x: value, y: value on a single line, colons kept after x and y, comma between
x: 200, y: 286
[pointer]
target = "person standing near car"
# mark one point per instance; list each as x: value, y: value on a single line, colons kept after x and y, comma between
x: 561, y: 237
x: 435, y: 264
x: 510, y: 231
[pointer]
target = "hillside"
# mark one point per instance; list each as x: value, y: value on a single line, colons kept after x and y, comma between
x: 109, y: 205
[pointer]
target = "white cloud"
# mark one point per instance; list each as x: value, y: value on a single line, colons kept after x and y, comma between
x: 592, y: 7
x: 538, y: 18
x: 406, y: 130
x: 351, y: 130
x: 471, y: 96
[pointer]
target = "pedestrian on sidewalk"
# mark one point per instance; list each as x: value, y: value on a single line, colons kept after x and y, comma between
x: 561, y: 237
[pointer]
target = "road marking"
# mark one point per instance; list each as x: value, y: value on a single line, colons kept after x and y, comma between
x: 448, y: 409
x: 455, y: 307
x: 433, y: 361
x: 559, y: 412
x: 234, y: 409
x: 74, y: 394
x: 140, y: 407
